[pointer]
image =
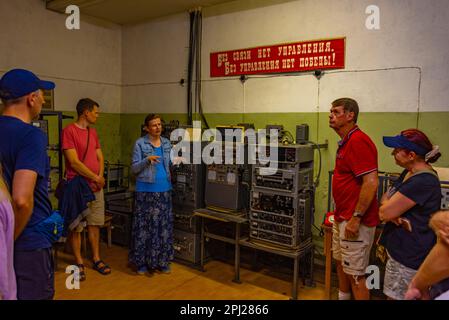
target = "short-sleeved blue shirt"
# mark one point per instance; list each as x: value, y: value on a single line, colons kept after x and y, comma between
x: 411, y: 248
x: 23, y: 146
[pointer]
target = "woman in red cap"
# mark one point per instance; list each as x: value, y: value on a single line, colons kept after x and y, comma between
x: 407, y: 208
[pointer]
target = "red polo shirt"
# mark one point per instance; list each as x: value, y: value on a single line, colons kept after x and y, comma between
x: 356, y: 156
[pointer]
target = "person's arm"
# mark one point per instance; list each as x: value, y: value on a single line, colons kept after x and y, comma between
x: 4, y: 242
x: 436, y: 265
x: 387, y: 195
x: 23, y: 184
x: 100, y: 158
x: 440, y: 224
x: 3, y: 261
x: 434, y: 268
x: 384, y: 198
x: 80, y: 168
x: 395, y: 206
x: 139, y: 162
x: 367, y: 194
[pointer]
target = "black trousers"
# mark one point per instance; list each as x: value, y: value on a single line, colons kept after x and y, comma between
x: 34, y: 274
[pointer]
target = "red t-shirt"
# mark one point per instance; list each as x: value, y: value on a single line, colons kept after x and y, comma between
x: 74, y: 137
x: 356, y: 156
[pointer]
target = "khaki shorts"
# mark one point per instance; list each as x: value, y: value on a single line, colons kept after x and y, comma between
x: 353, y: 253
x: 94, y: 212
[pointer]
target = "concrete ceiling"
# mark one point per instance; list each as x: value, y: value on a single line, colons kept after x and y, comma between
x: 125, y: 12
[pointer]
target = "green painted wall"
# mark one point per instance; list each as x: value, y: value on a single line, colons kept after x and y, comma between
x: 130, y: 125
x: 108, y: 129
x: 375, y: 125
x: 118, y: 132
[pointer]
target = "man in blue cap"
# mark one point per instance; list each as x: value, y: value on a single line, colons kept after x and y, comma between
x: 26, y: 171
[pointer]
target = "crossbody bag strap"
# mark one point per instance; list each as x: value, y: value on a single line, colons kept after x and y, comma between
x: 392, y: 190
x: 425, y: 171
x: 87, y: 147
x: 85, y: 152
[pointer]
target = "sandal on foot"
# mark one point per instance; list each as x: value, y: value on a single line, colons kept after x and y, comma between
x: 102, y: 267
x: 82, y: 272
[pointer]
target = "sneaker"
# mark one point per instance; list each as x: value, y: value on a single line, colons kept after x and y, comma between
x: 142, y: 270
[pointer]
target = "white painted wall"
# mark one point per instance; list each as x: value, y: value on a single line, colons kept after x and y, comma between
x: 413, y: 34
x: 155, y: 57
x: 82, y: 63
x: 136, y: 69
x: 375, y: 91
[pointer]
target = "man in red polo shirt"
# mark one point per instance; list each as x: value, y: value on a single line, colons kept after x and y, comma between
x: 354, y: 187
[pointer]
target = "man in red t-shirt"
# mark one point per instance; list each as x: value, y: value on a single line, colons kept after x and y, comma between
x: 83, y: 157
x: 354, y: 188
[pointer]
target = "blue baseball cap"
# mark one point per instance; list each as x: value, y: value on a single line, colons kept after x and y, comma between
x: 401, y: 141
x: 17, y: 83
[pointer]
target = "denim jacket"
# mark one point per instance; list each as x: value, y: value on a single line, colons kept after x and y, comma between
x: 141, y: 167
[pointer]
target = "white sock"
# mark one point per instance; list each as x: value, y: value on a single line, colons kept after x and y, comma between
x: 344, y: 295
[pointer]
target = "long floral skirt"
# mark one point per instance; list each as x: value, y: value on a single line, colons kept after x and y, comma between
x: 152, y: 230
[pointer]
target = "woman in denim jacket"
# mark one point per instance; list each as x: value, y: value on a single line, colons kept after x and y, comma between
x: 152, y: 231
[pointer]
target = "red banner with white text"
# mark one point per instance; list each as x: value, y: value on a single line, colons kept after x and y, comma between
x: 290, y: 57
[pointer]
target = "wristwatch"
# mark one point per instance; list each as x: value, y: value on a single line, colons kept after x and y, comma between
x: 357, y: 214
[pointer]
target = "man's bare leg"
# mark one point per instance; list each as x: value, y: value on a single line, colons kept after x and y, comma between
x: 94, y: 239
x: 75, y: 242
x: 344, y: 283
x: 359, y: 289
